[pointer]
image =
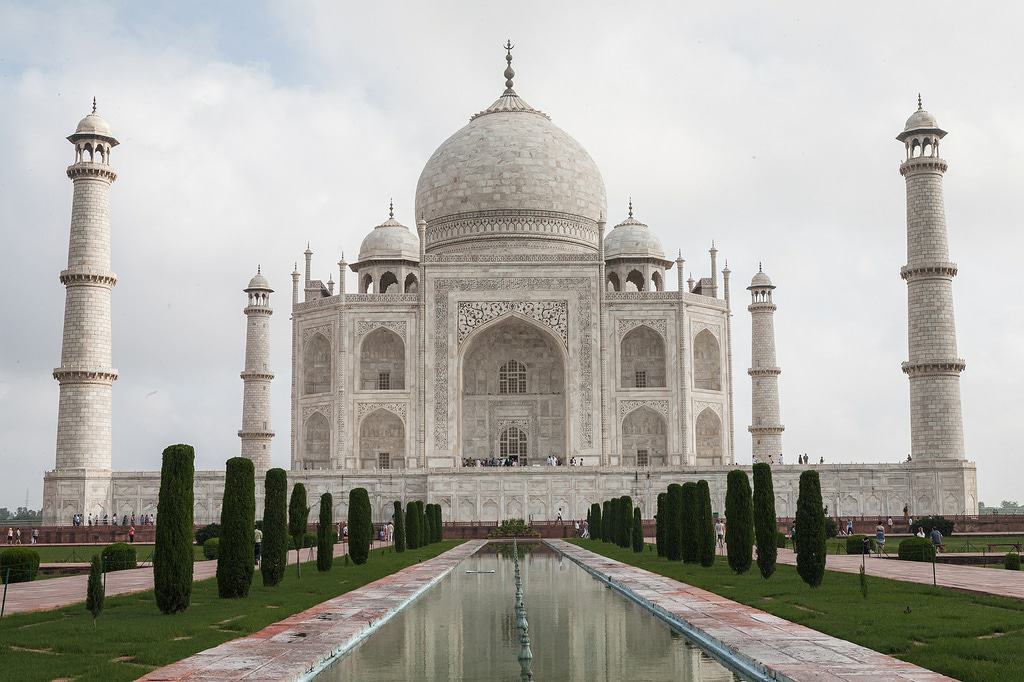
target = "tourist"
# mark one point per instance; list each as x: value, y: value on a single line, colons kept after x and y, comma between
x: 257, y: 537
x: 133, y: 518
x: 890, y: 524
x: 920, y: 532
x: 577, y: 525
x: 90, y: 518
x: 780, y: 458
x: 821, y: 460
x: 10, y: 536
x: 35, y: 536
x: 17, y: 536
x: 106, y: 519
x: 559, y: 515
x: 849, y: 526
x: 906, y: 512
x: 124, y: 520
x: 720, y: 533
x: 131, y: 534
x: 586, y: 531
x: 880, y: 537
x: 937, y: 539
x: 391, y: 532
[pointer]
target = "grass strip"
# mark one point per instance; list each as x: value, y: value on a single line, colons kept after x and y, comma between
x: 965, y: 636
x: 132, y: 637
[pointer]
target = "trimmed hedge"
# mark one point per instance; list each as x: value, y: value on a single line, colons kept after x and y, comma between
x: 360, y: 525
x: 705, y: 525
x: 210, y: 530
x: 595, y: 521
x: 944, y: 525
x: 211, y: 548
x: 625, y: 525
x: 412, y: 537
x: 172, y: 558
x: 236, y: 563
x: 1011, y: 561
x: 739, y: 516
x: 119, y: 556
x: 810, y: 530
x: 659, y: 524
x: 855, y: 544
x: 274, y: 550
x: 638, y: 531
x: 766, y: 525
x: 398, y: 519
x: 94, y: 590
x: 674, y: 522
x: 916, y: 549
x: 298, y: 520
x: 325, y: 534
x: 689, y: 524
x: 308, y: 540
x: 21, y: 562
x: 780, y: 543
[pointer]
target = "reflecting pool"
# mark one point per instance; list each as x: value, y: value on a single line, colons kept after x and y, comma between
x: 464, y: 628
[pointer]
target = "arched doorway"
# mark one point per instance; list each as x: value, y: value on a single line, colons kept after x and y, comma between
x: 513, y: 395
x: 382, y: 441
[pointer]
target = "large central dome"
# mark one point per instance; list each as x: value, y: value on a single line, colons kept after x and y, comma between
x: 510, y: 180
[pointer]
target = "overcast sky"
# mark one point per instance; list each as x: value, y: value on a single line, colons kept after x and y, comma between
x: 247, y: 130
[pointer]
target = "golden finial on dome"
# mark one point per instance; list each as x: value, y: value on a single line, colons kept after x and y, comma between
x: 509, y: 71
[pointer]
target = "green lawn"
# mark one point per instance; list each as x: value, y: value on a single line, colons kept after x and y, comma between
x: 51, y: 554
x: 969, y: 637
x: 132, y: 637
x: 953, y: 544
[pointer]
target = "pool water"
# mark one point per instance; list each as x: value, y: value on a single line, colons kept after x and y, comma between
x: 464, y: 628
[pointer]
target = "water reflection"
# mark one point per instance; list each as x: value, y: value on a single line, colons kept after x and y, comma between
x: 465, y: 629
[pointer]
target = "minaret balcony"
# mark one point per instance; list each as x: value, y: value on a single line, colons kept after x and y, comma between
x: 255, y: 375
x: 934, y: 367
x: 80, y: 277
x: 923, y: 164
x: 82, y: 375
x: 764, y: 371
x: 939, y: 270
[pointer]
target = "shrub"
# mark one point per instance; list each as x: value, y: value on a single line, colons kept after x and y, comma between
x: 172, y: 558
x: 428, y: 518
x: 688, y: 525
x: 438, y: 522
x: 766, y: 525
x: 944, y: 525
x: 211, y: 547
x: 810, y: 530
x: 513, y: 528
x: 236, y: 562
x: 855, y: 545
x: 705, y: 525
x: 625, y: 525
x: 595, y: 521
x: 210, y: 530
x: 739, y: 515
x: 674, y: 522
x: 119, y: 557
x: 306, y: 541
x: 606, y: 521
x: 298, y: 520
x: 916, y: 549
x: 659, y: 524
x: 412, y: 539
x: 22, y: 564
x: 399, y: 520
x: 638, y: 531
x: 325, y: 534
x: 1011, y: 561
x: 831, y: 529
x: 612, y: 520
x: 275, y: 527
x: 94, y: 591
x: 422, y: 532
x: 360, y: 525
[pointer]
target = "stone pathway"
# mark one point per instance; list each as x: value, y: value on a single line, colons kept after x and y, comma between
x: 975, y: 579
x: 297, y: 646
x: 54, y: 593
x: 773, y: 647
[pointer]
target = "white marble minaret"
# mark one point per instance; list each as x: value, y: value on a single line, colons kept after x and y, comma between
x: 766, y: 431
x: 936, y: 423
x: 256, y: 433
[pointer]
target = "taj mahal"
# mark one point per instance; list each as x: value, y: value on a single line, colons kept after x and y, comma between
x: 517, y: 352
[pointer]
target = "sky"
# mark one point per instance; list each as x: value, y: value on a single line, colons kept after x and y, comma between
x: 248, y: 129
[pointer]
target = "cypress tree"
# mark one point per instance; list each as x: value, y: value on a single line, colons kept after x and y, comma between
x: 659, y: 524
x: 613, y: 520
x: 172, y: 559
x: 739, y: 529
x: 438, y: 523
x: 766, y: 526
x: 638, y: 531
x: 235, y: 560
x: 674, y: 522
x: 411, y: 539
x: 398, y: 519
x: 810, y: 530
x: 275, y: 527
x: 94, y: 591
x: 325, y: 534
x: 429, y: 518
x: 706, y: 525
x: 360, y: 525
x: 595, y: 524
x: 625, y: 526
x: 298, y: 519
x: 421, y: 529
x: 606, y: 521
x: 688, y: 526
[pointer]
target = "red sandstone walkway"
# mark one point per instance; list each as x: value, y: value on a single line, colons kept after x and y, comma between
x: 976, y: 579
x: 306, y: 642
x: 779, y: 649
x: 54, y: 593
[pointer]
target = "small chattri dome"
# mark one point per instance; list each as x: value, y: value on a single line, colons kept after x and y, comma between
x: 632, y: 239
x: 93, y: 124
x: 258, y: 282
x: 921, y: 120
x: 391, y: 240
x: 761, y: 280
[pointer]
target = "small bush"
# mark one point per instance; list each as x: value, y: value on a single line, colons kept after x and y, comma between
x: 211, y: 548
x: 780, y: 541
x: 916, y: 549
x: 119, y: 557
x: 210, y: 530
x: 831, y: 529
x: 1011, y: 561
x: 94, y: 591
x: 855, y: 545
x: 22, y: 563
x: 513, y: 528
x: 308, y: 540
x: 944, y: 525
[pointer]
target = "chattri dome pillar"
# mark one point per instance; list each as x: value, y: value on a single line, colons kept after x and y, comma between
x: 936, y: 422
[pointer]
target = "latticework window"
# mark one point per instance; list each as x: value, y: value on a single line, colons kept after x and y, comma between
x: 641, y: 379
x: 512, y: 377
x: 512, y: 443
x: 642, y: 457
x: 384, y: 460
x: 384, y: 381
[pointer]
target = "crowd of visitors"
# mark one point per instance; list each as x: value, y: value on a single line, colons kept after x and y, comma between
x: 126, y: 520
